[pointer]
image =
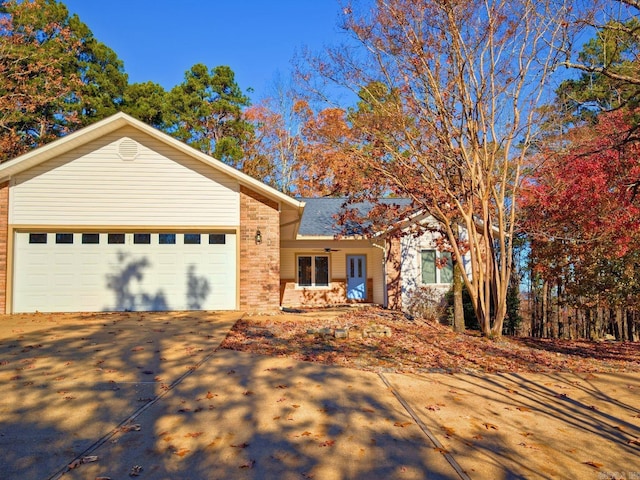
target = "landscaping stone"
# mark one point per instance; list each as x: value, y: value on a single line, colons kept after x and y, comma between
x: 376, y: 330
x: 341, y: 333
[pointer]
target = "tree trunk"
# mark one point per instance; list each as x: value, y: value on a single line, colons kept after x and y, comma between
x: 545, y: 309
x: 558, y: 317
x: 534, y: 299
x: 619, y: 324
x: 458, y: 308
x: 631, y: 326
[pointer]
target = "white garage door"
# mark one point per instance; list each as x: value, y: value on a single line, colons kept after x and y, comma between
x: 78, y: 272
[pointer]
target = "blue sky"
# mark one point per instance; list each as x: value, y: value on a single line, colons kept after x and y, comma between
x: 159, y: 40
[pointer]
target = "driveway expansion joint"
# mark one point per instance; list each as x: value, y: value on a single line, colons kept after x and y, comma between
x: 105, y: 438
x: 412, y: 413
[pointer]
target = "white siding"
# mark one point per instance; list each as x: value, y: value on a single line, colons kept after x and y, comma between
x: 93, y: 185
x: 411, y: 268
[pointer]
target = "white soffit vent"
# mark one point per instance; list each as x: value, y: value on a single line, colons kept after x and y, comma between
x: 128, y: 149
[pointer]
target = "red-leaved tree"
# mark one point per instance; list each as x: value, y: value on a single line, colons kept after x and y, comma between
x: 583, y: 216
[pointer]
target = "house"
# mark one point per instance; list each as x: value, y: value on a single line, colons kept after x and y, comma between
x: 119, y: 216
x: 325, y: 265
x: 419, y: 263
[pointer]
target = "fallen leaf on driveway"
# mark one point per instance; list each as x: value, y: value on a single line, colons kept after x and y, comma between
x: 401, y: 424
x: 135, y: 471
x: 182, y: 452
x: 249, y: 464
x: 441, y: 450
x: 490, y: 426
x: 193, y: 435
x: 327, y: 443
x: 526, y: 445
x: 523, y: 409
x: 130, y: 428
x: 594, y: 464
x: 448, y: 431
x: 241, y: 445
x: 634, y: 441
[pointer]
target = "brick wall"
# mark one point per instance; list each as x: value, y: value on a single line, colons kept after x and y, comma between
x: 334, y: 294
x: 393, y: 273
x: 259, y: 264
x: 4, y: 223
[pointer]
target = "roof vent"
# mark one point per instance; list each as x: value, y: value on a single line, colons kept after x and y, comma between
x: 128, y: 149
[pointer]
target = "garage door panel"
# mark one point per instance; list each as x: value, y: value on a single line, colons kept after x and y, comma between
x: 112, y: 277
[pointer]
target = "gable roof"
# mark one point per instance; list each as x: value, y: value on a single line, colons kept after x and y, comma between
x: 119, y: 120
x: 320, y: 215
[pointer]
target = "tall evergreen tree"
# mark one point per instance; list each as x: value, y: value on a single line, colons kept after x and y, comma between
x: 206, y: 111
x: 147, y: 102
x: 104, y: 80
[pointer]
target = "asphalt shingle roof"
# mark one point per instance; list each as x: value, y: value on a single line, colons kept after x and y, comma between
x: 319, y: 217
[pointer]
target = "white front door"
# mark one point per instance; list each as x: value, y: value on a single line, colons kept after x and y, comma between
x: 124, y: 271
x: 356, y: 277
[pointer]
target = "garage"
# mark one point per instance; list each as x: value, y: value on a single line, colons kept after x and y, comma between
x: 124, y: 271
x: 119, y: 216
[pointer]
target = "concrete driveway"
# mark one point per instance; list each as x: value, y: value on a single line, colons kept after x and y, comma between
x: 148, y: 396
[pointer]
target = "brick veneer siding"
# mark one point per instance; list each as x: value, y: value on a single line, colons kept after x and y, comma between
x: 334, y: 294
x: 259, y: 264
x: 4, y: 225
x: 393, y: 266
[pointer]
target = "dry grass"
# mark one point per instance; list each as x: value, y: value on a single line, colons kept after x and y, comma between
x: 419, y: 346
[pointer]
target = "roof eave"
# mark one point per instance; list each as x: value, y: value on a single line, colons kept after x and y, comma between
x: 117, y: 121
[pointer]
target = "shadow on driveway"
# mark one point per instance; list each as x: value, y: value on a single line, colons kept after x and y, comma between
x: 89, y: 385
x: 70, y: 379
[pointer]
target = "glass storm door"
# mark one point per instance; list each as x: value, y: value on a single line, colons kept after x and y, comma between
x: 356, y: 277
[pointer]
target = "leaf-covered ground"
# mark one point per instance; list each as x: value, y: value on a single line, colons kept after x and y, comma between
x: 416, y: 346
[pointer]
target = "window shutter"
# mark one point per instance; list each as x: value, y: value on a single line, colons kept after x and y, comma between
x: 428, y: 266
x: 446, y: 272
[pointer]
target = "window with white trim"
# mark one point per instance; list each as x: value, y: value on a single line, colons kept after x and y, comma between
x: 434, y: 269
x: 313, y: 270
